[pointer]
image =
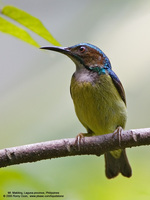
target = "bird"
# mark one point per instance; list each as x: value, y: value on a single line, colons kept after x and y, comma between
x: 99, y: 100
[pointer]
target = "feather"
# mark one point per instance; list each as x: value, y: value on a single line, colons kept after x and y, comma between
x: 117, y: 84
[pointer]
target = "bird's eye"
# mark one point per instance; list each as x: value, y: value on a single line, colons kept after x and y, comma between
x: 82, y: 49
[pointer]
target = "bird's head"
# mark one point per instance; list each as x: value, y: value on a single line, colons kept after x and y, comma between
x: 84, y: 55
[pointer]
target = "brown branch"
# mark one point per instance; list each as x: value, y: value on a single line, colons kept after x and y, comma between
x: 96, y: 145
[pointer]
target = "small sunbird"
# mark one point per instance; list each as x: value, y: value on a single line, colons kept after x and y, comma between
x: 99, y: 99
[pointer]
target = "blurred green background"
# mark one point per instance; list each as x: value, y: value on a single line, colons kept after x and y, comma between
x: 35, y: 102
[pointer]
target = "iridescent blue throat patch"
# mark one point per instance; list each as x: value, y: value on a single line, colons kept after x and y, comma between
x: 98, y: 70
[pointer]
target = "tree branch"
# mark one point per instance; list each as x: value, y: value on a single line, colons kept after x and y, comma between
x: 95, y: 145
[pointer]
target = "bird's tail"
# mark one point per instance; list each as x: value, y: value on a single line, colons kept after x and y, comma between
x: 114, y: 166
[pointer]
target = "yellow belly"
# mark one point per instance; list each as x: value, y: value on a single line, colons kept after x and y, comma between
x: 98, y: 106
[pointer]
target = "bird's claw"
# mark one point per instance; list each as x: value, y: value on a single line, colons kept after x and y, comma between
x: 118, y: 131
x: 79, y: 139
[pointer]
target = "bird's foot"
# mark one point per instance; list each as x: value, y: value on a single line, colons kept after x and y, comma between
x: 80, y: 138
x: 118, y: 131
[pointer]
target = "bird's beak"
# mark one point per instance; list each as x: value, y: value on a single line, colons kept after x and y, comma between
x: 63, y: 50
x: 66, y: 51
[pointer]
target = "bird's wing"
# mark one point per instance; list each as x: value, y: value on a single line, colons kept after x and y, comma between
x: 118, y: 85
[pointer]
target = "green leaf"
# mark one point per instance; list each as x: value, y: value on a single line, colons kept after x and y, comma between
x: 30, y: 22
x: 8, y: 27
